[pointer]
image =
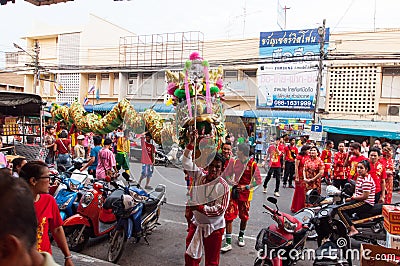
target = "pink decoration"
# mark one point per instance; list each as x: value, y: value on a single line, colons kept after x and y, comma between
x: 219, y: 83
x: 208, y: 94
x: 194, y: 56
x: 171, y: 88
x: 189, y: 103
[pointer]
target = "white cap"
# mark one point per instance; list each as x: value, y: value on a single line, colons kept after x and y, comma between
x: 80, y: 137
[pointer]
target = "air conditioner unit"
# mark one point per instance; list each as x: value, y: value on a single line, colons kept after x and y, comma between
x: 393, y: 110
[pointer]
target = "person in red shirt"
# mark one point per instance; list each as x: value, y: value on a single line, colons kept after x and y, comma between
x: 148, y: 151
x: 326, y: 157
x: 354, y: 156
x: 387, y: 161
x: 63, y: 149
x: 273, y: 157
x: 290, y: 153
x: 339, y: 171
x: 299, y: 195
x: 18, y: 225
x: 378, y: 174
x: 281, y: 148
x: 36, y: 174
x: 245, y: 175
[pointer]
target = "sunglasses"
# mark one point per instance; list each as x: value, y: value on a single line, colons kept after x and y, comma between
x: 44, y: 177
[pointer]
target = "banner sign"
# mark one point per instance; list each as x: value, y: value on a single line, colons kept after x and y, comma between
x: 290, y: 43
x: 290, y: 81
x: 287, y: 85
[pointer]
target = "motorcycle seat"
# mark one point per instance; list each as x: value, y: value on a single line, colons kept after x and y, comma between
x: 149, y: 205
x: 113, y: 197
x: 375, y: 210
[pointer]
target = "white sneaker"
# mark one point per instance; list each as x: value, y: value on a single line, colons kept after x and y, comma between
x: 265, y: 190
x: 276, y: 194
x: 226, y: 247
x: 241, y: 241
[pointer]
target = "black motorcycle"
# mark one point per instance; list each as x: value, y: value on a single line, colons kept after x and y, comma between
x: 160, y: 158
x: 369, y: 225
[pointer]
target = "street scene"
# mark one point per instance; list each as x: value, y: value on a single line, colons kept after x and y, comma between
x: 238, y: 132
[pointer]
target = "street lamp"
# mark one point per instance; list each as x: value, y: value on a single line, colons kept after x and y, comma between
x: 35, y: 58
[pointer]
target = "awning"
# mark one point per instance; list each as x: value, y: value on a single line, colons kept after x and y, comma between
x: 18, y: 103
x: 139, y: 107
x: 362, y: 128
x: 278, y: 114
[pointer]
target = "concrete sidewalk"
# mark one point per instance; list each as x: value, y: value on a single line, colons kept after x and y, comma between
x: 78, y: 259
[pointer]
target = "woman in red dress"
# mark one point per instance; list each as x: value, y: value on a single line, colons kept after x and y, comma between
x: 313, y: 170
x: 387, y: 161
x: 299, y: 196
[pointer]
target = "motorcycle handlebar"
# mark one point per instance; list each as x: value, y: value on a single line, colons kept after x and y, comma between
x: 269, y: 209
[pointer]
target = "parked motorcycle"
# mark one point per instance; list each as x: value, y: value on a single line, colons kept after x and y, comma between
x: 175, y: 155
x: 276, y: 243
x: 137, y: 215
x: 160, y: 158
x: 370, y: 225
x: 94, y: 217
x: 68, y: 194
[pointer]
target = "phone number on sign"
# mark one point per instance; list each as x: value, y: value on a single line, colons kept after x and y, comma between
x: 289, y: 103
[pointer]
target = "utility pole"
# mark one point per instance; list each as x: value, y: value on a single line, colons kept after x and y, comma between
x: 36, y: 50
x: 35, y: 59
x: 285, y: 10
x: 321, y: 33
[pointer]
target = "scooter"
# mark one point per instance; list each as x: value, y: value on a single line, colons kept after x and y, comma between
x: 72, y: 172
x: 137, y: 215
x: 160, y: 158
x: 276, y: 243
x: 93, y: 218
x: 175, y: 155
x: 68, y: 194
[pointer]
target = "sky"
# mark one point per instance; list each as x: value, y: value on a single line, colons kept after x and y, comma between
x: 217, y: 19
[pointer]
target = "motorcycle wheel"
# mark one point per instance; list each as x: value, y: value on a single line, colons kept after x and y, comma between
x: 71, y: 233
x: 117, y: 245
x: 166, y: 163
x: 312, y: 235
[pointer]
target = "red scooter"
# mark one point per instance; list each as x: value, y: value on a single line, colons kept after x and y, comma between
x: 281, y: 243
x: 94, y: 217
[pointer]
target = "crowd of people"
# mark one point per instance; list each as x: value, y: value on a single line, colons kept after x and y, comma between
x: 302, y: 166
x: 218, y: 194
x: 27, y: 235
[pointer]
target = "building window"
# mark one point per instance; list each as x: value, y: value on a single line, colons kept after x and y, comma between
x: 105, y: 84
x: 132, y: 84
x: 231, y: 74
x: 147, y: 84
x: 116, y: 83
x: 250, y: 73
x: 390, y: 83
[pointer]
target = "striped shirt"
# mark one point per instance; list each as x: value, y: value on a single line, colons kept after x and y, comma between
x: 366, y: 184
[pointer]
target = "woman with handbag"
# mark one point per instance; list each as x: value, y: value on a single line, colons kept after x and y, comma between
x: 63, y: 148
x: 107, y: 166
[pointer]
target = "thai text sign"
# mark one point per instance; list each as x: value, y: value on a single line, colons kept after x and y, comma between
x: 287, y: 85
x: 289, y: 43
x: 290, y: 79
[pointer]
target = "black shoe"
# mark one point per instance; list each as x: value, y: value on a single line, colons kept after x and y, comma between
x: 284, y: 185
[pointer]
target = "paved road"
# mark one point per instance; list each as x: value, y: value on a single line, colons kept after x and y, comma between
x: 167, y: 243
